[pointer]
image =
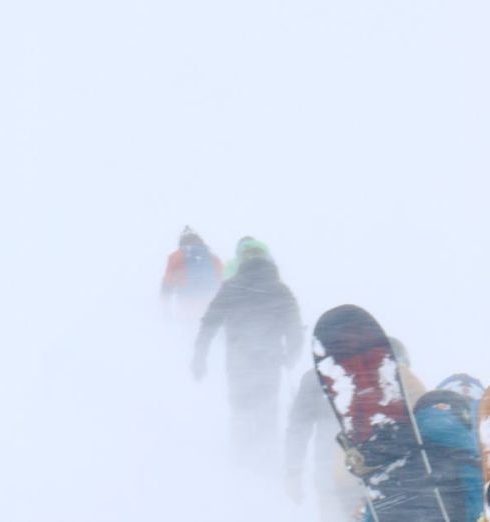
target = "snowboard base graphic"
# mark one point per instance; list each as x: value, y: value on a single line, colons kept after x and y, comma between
x: 359, y: 374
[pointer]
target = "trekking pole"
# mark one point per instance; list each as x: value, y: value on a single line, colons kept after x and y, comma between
x: 425, y: 458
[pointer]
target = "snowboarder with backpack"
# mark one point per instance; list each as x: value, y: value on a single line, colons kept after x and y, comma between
x: 311, y: 417
x: 359, y: 373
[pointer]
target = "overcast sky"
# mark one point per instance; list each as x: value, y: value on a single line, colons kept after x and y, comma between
x: 350, y: 136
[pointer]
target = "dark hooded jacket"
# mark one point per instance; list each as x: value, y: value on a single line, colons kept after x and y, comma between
x: 260, y: 317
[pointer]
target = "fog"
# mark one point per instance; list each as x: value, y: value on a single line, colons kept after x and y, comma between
x: 352, y: 138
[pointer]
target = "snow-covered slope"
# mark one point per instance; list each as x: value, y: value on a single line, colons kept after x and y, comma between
x: 350, y: 136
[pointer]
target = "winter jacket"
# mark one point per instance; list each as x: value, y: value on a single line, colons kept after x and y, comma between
x: 260, y: 317
x: 192, y: 271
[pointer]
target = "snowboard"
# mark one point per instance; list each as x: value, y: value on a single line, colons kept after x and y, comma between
x: 484, y: 438
x: 359, y: 375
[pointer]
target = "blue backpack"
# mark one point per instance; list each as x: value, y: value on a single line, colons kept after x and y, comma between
x: 200, y: 273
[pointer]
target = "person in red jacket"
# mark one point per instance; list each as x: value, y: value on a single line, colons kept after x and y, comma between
x: 192, y: 276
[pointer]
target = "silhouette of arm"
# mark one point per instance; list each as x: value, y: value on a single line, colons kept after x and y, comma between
x: 303, y: 417
x: 214, y: 317
x: 174, y: 273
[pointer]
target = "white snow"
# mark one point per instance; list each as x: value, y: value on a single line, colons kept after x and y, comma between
x: 388, y: 382
x: 350, y: 136
x: 380, y: 419
x: 374, y: 494
x: 343, y: 388
x: 318, y: 348
x: 385, y: 475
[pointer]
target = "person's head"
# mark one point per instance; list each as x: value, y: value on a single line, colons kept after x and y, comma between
x: 189, y: 238
x: 399, y: 351
x: 249, y: 247
x: 258, y: 270
x: 464, y: 385
x: 242, y: 241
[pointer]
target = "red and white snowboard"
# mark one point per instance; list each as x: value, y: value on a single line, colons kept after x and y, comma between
x: 359, y: 374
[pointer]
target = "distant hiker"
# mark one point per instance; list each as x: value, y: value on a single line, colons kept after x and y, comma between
x: 192, y: 276
x: 263, y: 333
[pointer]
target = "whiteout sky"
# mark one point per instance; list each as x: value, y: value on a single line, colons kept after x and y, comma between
x: 352, y: 137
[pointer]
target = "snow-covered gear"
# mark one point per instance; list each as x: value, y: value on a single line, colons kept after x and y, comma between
x: 359, y: 374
